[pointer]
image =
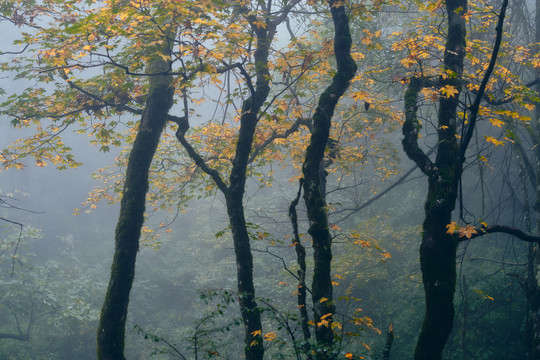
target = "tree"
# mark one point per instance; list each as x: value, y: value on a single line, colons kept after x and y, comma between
x: 314, y: 194
x: 44, y: 300
x: 128, y: 230
x: 438, y: 248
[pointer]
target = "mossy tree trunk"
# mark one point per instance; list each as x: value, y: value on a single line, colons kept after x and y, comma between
x: 111, y: 330
x: 438, y: 249
x: 234, y: 196
x: 323, y: 305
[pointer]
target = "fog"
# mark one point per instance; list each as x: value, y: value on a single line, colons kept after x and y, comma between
x: 58, y: 226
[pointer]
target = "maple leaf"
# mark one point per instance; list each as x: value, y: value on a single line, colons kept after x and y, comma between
x: 496, y: 122
x: 493, y: 141
x: 452, y: 227
x: 467, y: 231
x: 449, y: 91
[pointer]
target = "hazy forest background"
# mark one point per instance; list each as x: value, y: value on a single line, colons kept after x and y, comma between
x: 269, y: 179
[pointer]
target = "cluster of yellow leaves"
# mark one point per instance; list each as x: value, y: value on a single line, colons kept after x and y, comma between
x: 494, y: 141
x: 463, y: 231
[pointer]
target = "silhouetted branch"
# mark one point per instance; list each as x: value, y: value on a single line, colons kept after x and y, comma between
x: 476, y: 105
x: 483, y: 230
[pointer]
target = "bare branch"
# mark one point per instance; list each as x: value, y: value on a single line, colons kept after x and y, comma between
x: 476, y: 105
x: 200, y: 162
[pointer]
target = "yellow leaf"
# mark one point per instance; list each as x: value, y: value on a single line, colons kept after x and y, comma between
x: 496, y: 122
x: 451, y: 227
x: 529, y: 107
x: 323, y: 299
x: 270, y: 336
x: 325, y: 316
x: 494, y: 141
x: 334, y: 227
x: 259, y: 24
x: 467, y: 231
x: 449, y: 91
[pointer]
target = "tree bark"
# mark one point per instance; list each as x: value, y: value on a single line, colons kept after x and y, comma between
x: 302, y: 290
x: 438, y: 249
x: 323, y: 306
x: 533, y: 288
x: 111, y: 330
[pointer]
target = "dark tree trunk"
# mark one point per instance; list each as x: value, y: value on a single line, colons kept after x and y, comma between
x: 111, y: 330
x: 302, y: 290
x: 234, y: 196
x: 315, y: 200
x: 533, y: 290
x: 438, y: 249
x: 234, y: 191
x: 389, y: 342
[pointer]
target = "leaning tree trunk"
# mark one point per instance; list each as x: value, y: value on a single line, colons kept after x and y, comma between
x: 234, y: 196
x: 438, y: 249
x: 111, y: 330
x: 323, y: 306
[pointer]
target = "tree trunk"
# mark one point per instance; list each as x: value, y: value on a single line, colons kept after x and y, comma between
x: 234, y: 196
x: 438, y: 249
x: 533, y: 288
x: 111, y: 330
x: 302, y: 291
x: 323, y: 305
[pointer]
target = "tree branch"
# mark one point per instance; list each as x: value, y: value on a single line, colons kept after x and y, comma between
x: 200, y: 162
x: 294, y: 128
x: 483, y: 230
x: 476, y: 105
x: 411, y: 126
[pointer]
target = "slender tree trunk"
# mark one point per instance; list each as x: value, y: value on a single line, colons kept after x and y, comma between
x: 315, y: 200
x: 302, y: 290
x: 111, y: 330
x: 533, y: 290
x: 389, y: 341
x: 464, y: 321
